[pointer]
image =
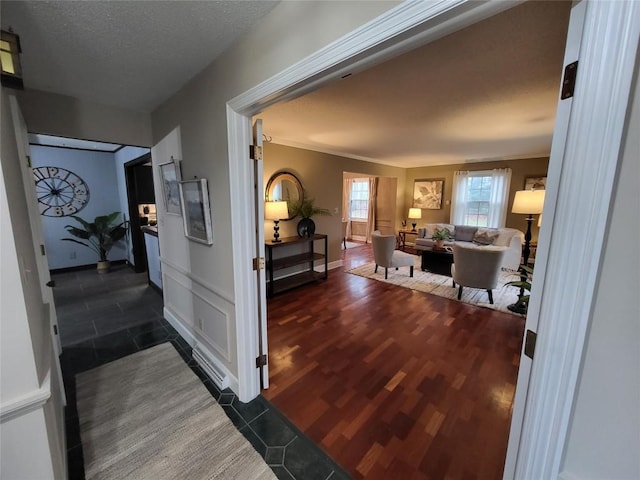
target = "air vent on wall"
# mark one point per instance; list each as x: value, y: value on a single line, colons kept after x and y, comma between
x: 202, y: 356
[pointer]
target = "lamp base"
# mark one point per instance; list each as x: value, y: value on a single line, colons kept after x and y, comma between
x: 413, y: 227
x: 276, y: 233
x: 518, y: 307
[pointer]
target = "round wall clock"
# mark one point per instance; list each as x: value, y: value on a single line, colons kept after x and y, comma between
x: 59, y: 191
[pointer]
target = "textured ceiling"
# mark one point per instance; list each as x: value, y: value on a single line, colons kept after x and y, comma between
x: 486, y: 92
x: 130, y: 54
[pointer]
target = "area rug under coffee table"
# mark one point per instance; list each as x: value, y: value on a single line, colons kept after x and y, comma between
x: 442, y: 286
x: 148, y: 416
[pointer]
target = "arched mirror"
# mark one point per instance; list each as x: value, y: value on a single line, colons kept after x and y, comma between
x: 284, y: 186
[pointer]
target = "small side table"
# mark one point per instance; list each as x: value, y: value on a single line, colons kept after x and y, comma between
x: 402, y: 234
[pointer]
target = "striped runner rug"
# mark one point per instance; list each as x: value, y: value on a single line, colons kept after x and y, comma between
x: 148, y: 416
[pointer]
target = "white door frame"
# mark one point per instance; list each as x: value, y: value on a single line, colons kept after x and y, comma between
x: 581, y: 184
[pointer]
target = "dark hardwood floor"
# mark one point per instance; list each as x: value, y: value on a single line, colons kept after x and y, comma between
x: 394, y: 383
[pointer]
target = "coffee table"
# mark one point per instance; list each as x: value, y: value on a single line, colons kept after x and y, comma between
x: 437, y: 261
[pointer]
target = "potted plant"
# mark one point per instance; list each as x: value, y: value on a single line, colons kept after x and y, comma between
x: 521, y: 306
x: 100, y: 235
x: 440, y: 236
x: 305, y: 208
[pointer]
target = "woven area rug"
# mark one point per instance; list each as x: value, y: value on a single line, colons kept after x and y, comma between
x: 148, y: 416
x: 442, y: 286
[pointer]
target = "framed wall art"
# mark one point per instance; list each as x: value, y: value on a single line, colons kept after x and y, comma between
x: 427, y: 193
x: 171, y: 177
x: 197, y: 213
x: 535, y: 183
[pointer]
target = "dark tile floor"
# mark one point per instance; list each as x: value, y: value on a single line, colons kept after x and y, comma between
x: 105, y: 317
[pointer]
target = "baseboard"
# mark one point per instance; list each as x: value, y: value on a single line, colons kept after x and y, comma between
x: 214, y: 369
x: 330, y: 266
x: 89, y: 266
x: 179, y: 326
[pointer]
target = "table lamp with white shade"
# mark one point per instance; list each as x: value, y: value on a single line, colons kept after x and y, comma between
x: 414, y: 213
x: 276, y: 211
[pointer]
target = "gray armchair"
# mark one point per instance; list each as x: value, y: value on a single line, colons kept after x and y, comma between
x: 385, y: 254
x: 476, y: 267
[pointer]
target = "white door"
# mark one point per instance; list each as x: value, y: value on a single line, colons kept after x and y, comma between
x: 35, y: 221
x: 260, y: 272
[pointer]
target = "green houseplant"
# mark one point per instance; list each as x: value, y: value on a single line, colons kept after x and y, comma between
x: 100, y: 236
x: 306, y: 209
x: 526, y: 274
x: 440, y: 236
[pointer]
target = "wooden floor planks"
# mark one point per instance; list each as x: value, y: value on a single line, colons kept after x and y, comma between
x: 391, y: 382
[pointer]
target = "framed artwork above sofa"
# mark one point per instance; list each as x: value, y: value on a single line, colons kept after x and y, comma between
x: 427, y: 193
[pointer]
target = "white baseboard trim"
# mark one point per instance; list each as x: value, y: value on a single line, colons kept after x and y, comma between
x: 330, y: 266
x: 27, y: 403
x: 214, y: 369
x: 184, y: 332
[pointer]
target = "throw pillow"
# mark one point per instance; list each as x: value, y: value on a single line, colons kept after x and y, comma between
x: 485, y: 237
x: 449, y: 228
x: 465, y: 233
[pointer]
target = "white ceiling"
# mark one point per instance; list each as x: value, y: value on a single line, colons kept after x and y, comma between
x: 130, y: 54
x: 487, y: 92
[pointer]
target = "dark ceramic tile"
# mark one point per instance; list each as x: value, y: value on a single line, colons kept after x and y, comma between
x: 198, y: 371
x: 145, y: 327
x: 274, y: 455
x: 258, y: 444
x: 272, y: 430
x: 251, y: 410
x: 213, y: 389
x: 75, y: 463
x: 339, y: 475
x: 234, y: 416
x: 72, y: 429
x: 71, y: 334
x: 183, y: 345
x: 226, y: 398
x: 282, y: 473
x: 152, y: 337
x: 114, y: 346
x: 304, y: 460
x: 113, y: 324
x: 78, y: 358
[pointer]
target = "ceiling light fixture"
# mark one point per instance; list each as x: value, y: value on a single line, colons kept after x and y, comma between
x: 10, y: 58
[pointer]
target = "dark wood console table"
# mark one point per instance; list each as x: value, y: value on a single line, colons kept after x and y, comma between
x: 287, y: 256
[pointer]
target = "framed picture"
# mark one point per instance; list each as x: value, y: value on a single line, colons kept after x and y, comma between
x: 171, y: 177
x: 197, y: 215
x: 427, y: 193
x: 535, y: 183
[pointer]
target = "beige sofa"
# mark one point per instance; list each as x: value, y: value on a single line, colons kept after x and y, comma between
x: 480, y: 237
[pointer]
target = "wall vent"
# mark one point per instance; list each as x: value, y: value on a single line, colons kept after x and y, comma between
x: 204, y: 359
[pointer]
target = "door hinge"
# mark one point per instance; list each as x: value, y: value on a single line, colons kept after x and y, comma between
x: 55, y: 329
x: 530, y: 343
x: 42, y: 250
x: 261, y: 361
x: 258, y: 263
x: 28, y: 161
x: 569, y: 80
x: 51, y: 283
x: 255, y: 152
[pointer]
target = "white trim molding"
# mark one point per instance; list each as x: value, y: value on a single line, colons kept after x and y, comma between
x: 27, y: 403
x: 589, y: 169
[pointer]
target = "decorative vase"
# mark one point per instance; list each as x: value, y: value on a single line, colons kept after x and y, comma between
x: 439, y: 244
x: 306, y: 227
x: 104, y: 267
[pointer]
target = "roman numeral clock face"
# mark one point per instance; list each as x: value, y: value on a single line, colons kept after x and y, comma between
x: 59, y: 191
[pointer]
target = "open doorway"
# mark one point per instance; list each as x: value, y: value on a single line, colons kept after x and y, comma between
x: 556, y: 82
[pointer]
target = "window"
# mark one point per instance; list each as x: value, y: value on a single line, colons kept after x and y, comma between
x: 359, y: 202
x: 480, y: 198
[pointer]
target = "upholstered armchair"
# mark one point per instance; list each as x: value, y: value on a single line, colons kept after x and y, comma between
x: 476, y: 267
x: 385, y: 254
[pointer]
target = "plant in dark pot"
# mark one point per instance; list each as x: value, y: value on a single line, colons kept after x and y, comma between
x: 526, y: 275
x: 306, y: 210
x: 100, y: 235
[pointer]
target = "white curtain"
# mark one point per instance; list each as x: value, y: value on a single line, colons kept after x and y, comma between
x: 346, y: 205
x: 371, y: 214
x: 459, y: 197
x: 500, y: 183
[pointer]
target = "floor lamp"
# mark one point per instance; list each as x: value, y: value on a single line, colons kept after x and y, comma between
x: 276, y: 211
x: 530, y: 203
